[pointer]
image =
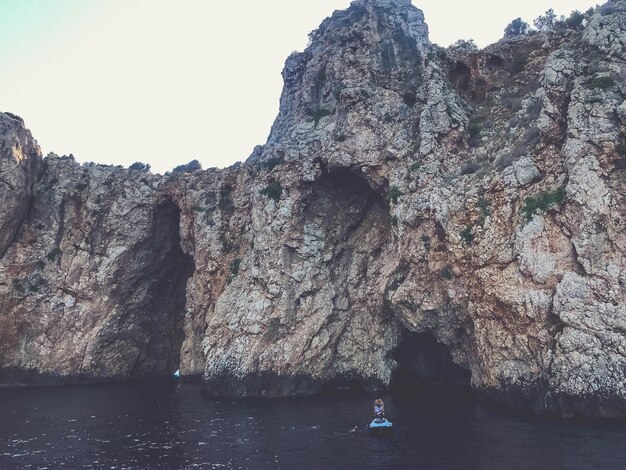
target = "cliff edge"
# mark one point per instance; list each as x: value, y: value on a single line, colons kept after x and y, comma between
x: 417, y: 214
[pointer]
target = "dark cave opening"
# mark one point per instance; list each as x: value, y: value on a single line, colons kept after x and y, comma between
x: 349, y: 211
x: 148, y: 332
x: 349, y: 183
x: 461, y: 76
x: 423, y: 361
x: 168, y: 291
x: 169, y: 270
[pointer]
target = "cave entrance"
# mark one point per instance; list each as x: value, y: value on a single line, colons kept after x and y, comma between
x: 422, y: 360
x: 166, y: 276
x: 146, y: 335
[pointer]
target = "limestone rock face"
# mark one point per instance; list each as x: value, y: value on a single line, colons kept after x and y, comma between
x: 416, y: 215
x: 20, y: 162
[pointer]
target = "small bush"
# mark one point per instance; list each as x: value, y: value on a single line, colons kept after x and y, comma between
x: 451, y: 115
x: 273, y: 190
x: 464, y: 45
x: 234, y: 268
x: 82, y: 185
x: 227, y: 245
x: 474, y: 130
x: 226, y: 203
x: 416, y: 165
x: 543, y: 201
x: 193, y: 165
x: 517, y: 27
x: 467, y: 236
x: 534, y: 110
x: 272, y: 163
x: 446, y: 273
x: 512, y: 102
x: 53, y: 253
x: 318, y: 114
x: 138, y: 166
x: 18, y: 286
x: 519, y: 64
x: 470, y: 168
x: 575, y: 20
x: 341, y: 138
x: 195, y: 208
x: 409, y: 99
x: 394, y: 220
x: 546, y: 22
x: 608, y: 9
x: 426, y: 242
x: 36, y: 283
x: 621, y: 149
x: 395, y: 193
x: 601, y: 83
x: 484, y: 207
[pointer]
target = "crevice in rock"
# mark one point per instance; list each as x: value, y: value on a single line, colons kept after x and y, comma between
x: 460, y: 76
x: 422, y: 360
x: 147, y: 332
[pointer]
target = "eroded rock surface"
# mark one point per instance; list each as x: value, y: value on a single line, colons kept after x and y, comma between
x: 416, y: 214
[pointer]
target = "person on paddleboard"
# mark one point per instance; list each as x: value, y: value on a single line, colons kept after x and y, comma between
x: 379, y: 409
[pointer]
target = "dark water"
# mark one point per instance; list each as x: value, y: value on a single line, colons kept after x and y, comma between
x: 173, y: 426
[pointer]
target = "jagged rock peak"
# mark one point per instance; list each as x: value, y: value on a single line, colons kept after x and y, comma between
x: 385, y: 3
x: 388, y: 16
x: 351, y: 54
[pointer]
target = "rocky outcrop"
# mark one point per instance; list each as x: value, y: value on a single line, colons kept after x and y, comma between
x: 417, y: 214
x: 20, y: 161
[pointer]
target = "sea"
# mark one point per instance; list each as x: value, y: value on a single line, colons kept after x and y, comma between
x: 173, y: 425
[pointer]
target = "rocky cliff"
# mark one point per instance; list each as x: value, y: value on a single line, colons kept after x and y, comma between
x: 416, y: 215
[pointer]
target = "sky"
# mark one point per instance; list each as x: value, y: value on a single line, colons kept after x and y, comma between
x: 165, y: 82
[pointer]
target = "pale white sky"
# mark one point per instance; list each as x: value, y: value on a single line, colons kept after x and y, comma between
x: 166, y: 82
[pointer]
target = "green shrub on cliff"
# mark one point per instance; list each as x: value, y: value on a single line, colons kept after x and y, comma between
x: 546, y: 22
x: 474, y: 129
x: 53, y: 253
x: 272, y: 163
x: 409, y: 99
x: 517, y: 27
x: 485, y: 209
x: 227, y: 245
x: 273, y: 190
x: 519, y: 64
x: 446, y: 273
x: 416, y: 165
x: 318, y: 114
x: 18, y: 286
x: 234, y: 270
x: 139, y: 166
x: 575, y: 20
x: 395, y: 193
x: 467, y: 236
x: 193, y: 165
x: 601, y: 83
x: 543, y: 201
